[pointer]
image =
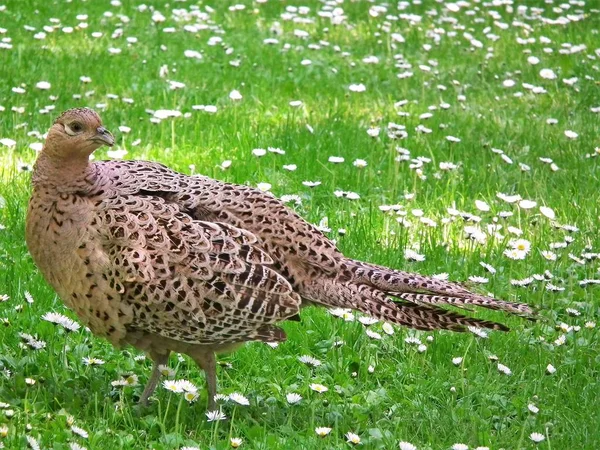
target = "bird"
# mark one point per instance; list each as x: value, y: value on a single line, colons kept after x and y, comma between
x: 165, y: 262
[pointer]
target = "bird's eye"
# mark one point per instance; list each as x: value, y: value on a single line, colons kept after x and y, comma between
x: 73, y: 128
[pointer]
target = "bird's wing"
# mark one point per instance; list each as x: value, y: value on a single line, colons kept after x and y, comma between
x: 286, y: 236
x: 193, y: 281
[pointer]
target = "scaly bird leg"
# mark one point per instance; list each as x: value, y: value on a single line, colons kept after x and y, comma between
x: 206, y: 361
x: 158, y: 360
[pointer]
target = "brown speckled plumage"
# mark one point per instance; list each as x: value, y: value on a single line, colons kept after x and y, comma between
x: 167, y: 262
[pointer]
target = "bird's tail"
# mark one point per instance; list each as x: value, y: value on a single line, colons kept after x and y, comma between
x: 404, y: 298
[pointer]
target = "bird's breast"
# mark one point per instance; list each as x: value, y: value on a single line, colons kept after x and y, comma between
x: 55, y: 229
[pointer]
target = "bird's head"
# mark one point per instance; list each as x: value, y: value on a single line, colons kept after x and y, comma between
x: 76, y: 133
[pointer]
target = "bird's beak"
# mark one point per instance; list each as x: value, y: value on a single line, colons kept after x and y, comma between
x: 103, y: 137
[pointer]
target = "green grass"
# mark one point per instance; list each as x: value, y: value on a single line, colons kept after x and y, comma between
x: 417, y: 397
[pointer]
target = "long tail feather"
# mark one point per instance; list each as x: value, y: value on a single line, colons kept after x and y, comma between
x: 421, y: 289
x: 474, y: 299
x: 404, y: 298
x: 375, y: 303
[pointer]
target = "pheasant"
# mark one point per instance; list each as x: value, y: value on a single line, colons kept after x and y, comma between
x: 165, y: 262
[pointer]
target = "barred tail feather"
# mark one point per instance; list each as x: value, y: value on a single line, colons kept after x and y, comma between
x: 421, y: 289
x: 376, y: 303
x: 473, y: 299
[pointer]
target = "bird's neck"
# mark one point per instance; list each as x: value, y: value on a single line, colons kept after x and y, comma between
x: 63, y: 174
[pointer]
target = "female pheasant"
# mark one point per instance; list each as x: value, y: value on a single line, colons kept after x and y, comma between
x: 166, y: 262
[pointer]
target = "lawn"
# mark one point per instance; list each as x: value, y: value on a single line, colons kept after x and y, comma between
x: 458, y: 139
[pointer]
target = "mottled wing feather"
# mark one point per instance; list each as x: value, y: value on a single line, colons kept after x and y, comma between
x: 192, y: 281
x: 279, y: 228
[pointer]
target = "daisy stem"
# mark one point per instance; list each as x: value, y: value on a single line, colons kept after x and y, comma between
x: 462, y: 365
x: 159, y: 414
x: 63, y: 356
x: 548, y: 439
x: 177, y: 414
x: 173, y: 135
x: 167, y: 410
x: 213, y: 437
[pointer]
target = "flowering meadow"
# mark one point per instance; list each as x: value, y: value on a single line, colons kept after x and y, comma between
x: 455, y: 139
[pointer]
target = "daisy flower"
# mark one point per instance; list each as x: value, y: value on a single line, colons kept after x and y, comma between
x: 504, y: 369
x: 533, y: 409
x: 309, y: 360
x: 459, y: 446
x: 172, y: 386
x: 352, y: 438
x: 480, y: 280
x: 213, y: 416
x: 322, y: 431
x: 319, y: 388
x: 89, y: 361
x: 79, y: 431
x: 293, y: 398
x: 513, y: 253
x: 522, y: 245
x: 537, y: 437
x: 131, y: 380
x: 373, y: 334
x: 239, y: 399
x: 550, y: 256
x: 166, y: 371
x: 191, y: 397
x: 186, y: 386
x: 478, y: 332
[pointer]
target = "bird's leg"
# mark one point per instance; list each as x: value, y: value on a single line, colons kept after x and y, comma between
x: 158, y: 359
x: 207, y: 362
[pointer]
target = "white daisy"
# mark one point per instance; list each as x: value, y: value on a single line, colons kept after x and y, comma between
x: 191, y: 397
x: 293, y: 398
x: 373, y: 334
x: 213, y: 416
x: 166, y: 371
x: 460, y: 447
x: 571, y: 134
x: 548, y: 74
x: 537, y: 437
x: 322, y: 431
x: 357, y: 87
x: 480, y: 280
x: 235, y: 442
x: 478, y: 332
x: 533, y: 409
x: 527, y: 204
x: 235, y: 95
x: 239, y: 399
x: 309, y: 360
x: 319, y: 388
x: 407, y: 446
x: 522, y: 245
x: 79, y: 431
x: 172, y: 386
x: 412, y: 255
x: 504, y: 369
x: 352, y: 438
